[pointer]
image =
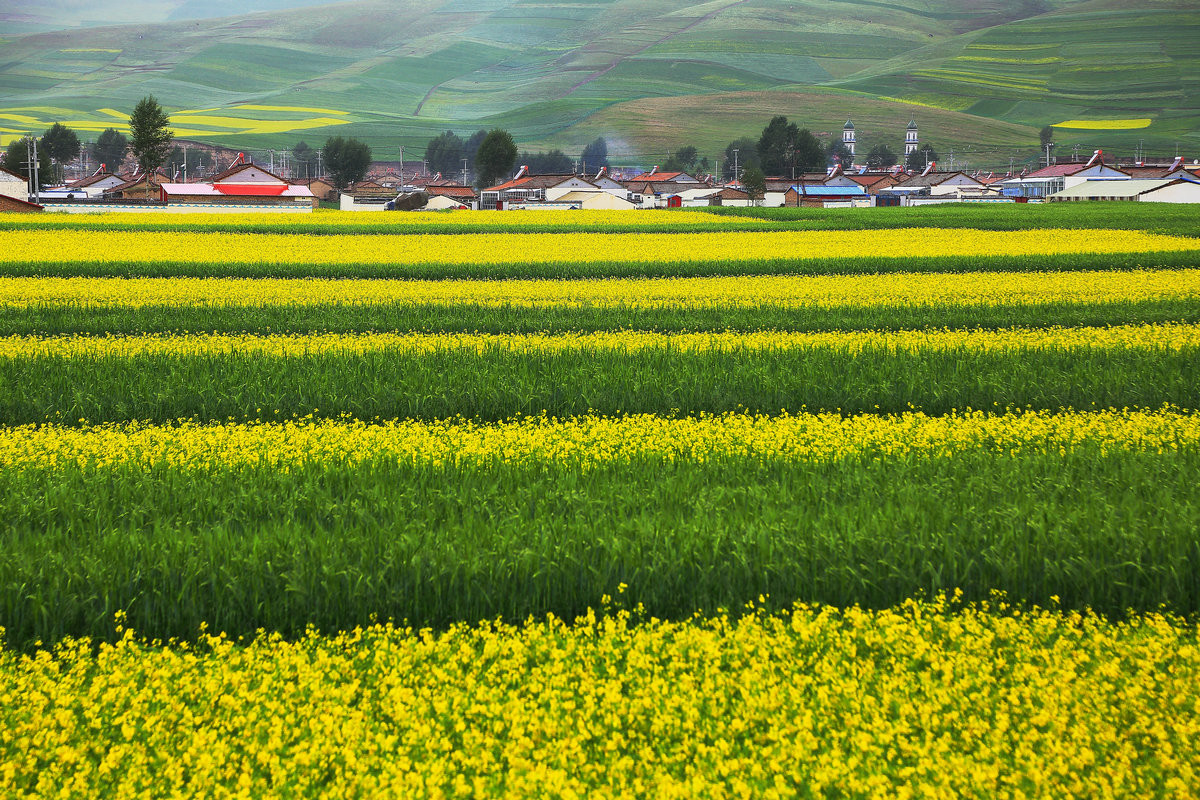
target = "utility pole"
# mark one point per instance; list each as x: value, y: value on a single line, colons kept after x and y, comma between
x: 464, y: 177
x: 402, y: 165
x: 320, y: 169
x: 952, y: 159
x: 1048, y: 146
x: 735, y: 165
x: 35, y: 179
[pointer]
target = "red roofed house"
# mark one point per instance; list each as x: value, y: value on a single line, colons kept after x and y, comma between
x: 446, y: 195
x: 242, y: 187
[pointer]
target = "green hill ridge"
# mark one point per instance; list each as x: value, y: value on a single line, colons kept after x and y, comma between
x: 981, y: 76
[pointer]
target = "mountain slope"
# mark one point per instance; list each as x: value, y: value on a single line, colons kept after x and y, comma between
x: 554, y: 71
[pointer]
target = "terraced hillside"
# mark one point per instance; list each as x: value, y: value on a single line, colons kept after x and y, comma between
x: 648, y: 74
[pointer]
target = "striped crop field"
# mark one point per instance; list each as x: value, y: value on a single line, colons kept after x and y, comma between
x: 671, y: 504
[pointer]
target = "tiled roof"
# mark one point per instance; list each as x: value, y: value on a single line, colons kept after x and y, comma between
x: 932, y: 179
x: 88, y: 181
x: 236, y: 168
x: 531, y: 182
x: 451, y: 190
x: 1063, y: 170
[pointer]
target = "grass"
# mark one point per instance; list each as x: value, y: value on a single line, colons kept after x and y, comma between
x: 338, y: 546
x: 1161, y: 218
x: 469, y: 318
x: 543, y: 72
x: 499, y: 383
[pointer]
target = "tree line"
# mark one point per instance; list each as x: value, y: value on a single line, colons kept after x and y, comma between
x: 782, y: 149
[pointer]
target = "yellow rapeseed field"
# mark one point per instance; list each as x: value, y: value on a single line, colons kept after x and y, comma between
x: 1165, y: 336
x: 790, y: 291
x: 105, y: 246
x: 591, y: 440
x: 927, y: 700
x: 402, y: 223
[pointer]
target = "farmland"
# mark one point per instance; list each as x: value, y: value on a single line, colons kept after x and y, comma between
x: 560, y: 504
x: 649, y: 75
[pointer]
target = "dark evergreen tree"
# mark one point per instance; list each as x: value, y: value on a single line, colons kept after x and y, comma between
x: 880, y: 157
x: 149, y: 135
x: 777, y: 146
x: 496, y: 156
x: 16, y: 159
x: 346, y: 160
x: 110, y: 149
x: 445, y: 153
x: 917, y: 160
x: 838, y: 153
x: 595, y: 156
x: 555, y: 162
x: 472, y: 147
x: 809, y: 156
x: 62, y: 145
x: 755, y: 184
x: 747, y: 156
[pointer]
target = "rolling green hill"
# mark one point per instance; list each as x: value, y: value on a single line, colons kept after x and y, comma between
x: 981, y: 76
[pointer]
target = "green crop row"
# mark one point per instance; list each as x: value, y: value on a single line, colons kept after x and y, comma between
x: 337, y: 546
x: 474, y: 317
x: 968, y: 262
x: 1181, y: 220
x: 1155, y: 217
x: 499, y: 383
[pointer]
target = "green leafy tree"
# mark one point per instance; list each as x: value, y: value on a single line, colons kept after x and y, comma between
x: 472, y: 147
x: 346, y: 160
x: 917, y: 160
x: 838, y: 153
x: 16, y: 159
x: 747, y: 156
x: 110, y: 149
x: 686, y: 156
x: 62, y: 144
x: 755, y: 184
x: 595, y: 156
x: 496, y: 157
x: 149, y: 136
x: 810, y: 156
x: 777, y: 146
x: 880, y: 157
x: 1046, y: 136
x: 554, y: 162
x: 445, y: 152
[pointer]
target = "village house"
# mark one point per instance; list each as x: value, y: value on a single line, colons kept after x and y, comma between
x: 820, y: 195
x: 142, y: 187
x: 1161, y: 190
x: 95, y: 185
x: 447, y: 196
x: 321, y: 188
x: 1049, y: 180
x: 13, y: 185
x: 936, y: 184
x: 242, y: 187
x: 16, y: 204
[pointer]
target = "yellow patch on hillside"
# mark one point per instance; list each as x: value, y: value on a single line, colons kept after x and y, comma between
x: 300, y: 109
x: 1104, y: 124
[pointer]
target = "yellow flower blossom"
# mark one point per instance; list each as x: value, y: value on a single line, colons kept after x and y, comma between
x: 593, y: 440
